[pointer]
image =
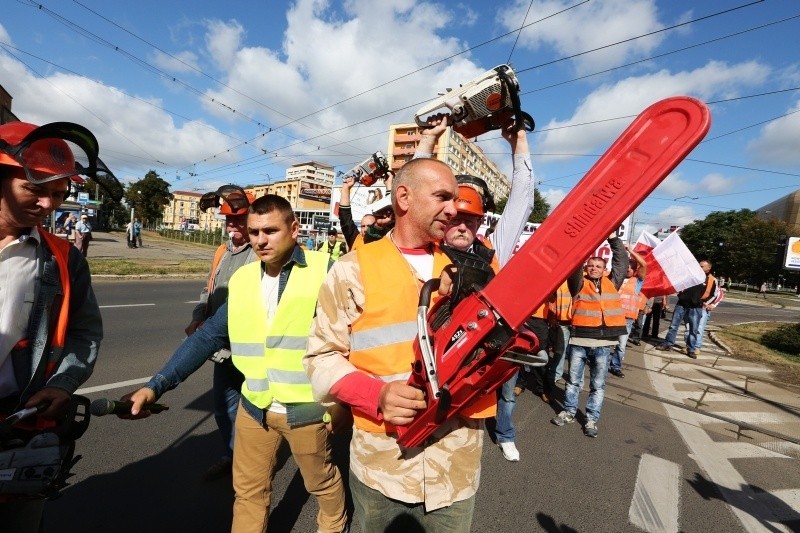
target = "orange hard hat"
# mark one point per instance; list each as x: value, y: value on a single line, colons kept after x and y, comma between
x: 48, y: 156
x: 226, y: 210
x: 469, y: 201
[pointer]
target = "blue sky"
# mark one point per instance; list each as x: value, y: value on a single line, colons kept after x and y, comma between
x: 206, y: 93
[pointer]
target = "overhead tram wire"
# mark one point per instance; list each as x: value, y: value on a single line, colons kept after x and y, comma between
x: 494, y: 39
x: 664, y: 54
x: 516, y: 39
x: 648, y: 34
x: 155, y: 70
x: 192, y: 67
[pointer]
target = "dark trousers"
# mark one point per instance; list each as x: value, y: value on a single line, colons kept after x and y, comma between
x: 654, y: 317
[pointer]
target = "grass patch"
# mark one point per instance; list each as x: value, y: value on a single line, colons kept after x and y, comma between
x: 745, y: 342
x: 126, y: 267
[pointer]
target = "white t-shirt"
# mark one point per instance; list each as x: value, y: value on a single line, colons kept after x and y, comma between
x: 269, y: 294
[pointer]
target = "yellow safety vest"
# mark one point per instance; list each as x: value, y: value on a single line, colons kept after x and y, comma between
x: 271, y: 359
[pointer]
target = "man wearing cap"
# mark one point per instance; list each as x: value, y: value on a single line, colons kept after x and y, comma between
x: 462, y: 234
x: 49, y: 317
x: 83, y: 234
x: 335, y: 249
x: 227, y: 380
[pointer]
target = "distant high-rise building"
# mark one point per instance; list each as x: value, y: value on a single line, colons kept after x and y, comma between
x: 459, y: 153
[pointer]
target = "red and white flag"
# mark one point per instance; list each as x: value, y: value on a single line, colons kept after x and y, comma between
x: 671, y: 267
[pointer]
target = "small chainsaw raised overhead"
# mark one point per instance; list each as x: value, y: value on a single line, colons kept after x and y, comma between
x: 372, y: 169
x: 481, y: 105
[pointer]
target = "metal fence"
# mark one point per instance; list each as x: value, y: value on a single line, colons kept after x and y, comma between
x: 200, y: 237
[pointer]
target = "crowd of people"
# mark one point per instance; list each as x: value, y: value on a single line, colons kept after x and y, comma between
x: 309, y: 343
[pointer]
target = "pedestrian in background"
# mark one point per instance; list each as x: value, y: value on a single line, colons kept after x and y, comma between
x: 83, y: 234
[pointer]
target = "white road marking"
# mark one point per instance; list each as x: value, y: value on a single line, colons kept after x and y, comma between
x: 656, y: 496
x: 117, y: 385
x: 124, y: 305
x: 192, y: 302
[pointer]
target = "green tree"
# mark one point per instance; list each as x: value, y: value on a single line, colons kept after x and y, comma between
x: 738, y: 243
x: 148, y: 196
x: 540, y: 207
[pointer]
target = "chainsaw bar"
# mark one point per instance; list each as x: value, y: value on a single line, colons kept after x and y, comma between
x: 486, y: 324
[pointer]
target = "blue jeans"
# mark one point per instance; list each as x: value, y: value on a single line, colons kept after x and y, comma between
x: 693, y: 317
x: 619, y: 350
x: 701, y: 331
x: 376, y: 512
x: 506, y: 402
x: 226, y: 389
x: 598, y: 370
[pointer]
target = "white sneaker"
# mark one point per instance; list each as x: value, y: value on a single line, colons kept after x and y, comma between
x: 510, y: 451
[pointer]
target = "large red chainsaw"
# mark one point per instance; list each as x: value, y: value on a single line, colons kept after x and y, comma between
x: 465, y: 352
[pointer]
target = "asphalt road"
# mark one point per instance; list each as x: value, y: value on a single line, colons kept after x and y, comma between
x: 145, y: 475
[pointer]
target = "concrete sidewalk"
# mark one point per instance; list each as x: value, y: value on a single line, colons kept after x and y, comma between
x: 155, y: 248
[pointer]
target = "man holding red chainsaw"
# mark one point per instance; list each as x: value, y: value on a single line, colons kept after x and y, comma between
x: 474, y: 199
x: 598, y: 320
x: 360, y: 352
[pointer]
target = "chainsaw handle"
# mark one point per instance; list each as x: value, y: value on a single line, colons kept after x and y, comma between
x: 426, y: 292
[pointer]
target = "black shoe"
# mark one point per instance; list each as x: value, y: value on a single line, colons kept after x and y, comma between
x: 692, y: 355
x: 635, y: 342
x: 618, y: 373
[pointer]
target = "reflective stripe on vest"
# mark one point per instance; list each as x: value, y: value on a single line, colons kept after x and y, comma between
x: 561, y: 304
x: 594, y: 309
x: 628, y: 297
x: 271, y: 360
x: 382, y: 338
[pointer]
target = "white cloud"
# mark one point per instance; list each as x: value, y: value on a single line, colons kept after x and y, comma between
x: 675, y: 186
x: 223, y: 39
x: 587, y: 27
x: 779, y: 141
x: 177, y: 62
x: 4, y: 36
x: 324, y: 61
x: 717, y: 183
x: 632, y: 95
x: 129, y: 132
x: 553, y: 196
x: 675, y: 215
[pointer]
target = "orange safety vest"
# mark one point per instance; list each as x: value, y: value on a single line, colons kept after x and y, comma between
x: 382, y: 338
x: 709, y: 285
x: 358, y: 242
x: 60, y: 249
x: 560, y: 305
x: 594, y: 309
x: 541, y: 312
x: 214, y: 264
x: 495, y: 263
x: 631, y: 302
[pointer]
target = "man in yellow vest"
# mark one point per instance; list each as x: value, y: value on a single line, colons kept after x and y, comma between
x: 597, y: 322
x: 50, y: 324
x: 360, y: 352
x: 266, y: 322
x: 631, y: 298
x: 333, y: 247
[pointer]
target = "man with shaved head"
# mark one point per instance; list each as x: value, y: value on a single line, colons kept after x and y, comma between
x: 360, y: 353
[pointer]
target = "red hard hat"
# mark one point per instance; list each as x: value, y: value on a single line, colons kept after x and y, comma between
x: 50, y: 156
x: 469, y: 201
x: 225, y: 209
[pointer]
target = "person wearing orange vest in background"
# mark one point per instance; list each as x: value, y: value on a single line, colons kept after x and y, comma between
x: 690, y: 308
x: 473, y: 201
x: 360, y: 352
x: 631, y: 297
x: 49, y: 317
x: 597, y: 322
x: 560, y: 317
x: 227, y: 379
